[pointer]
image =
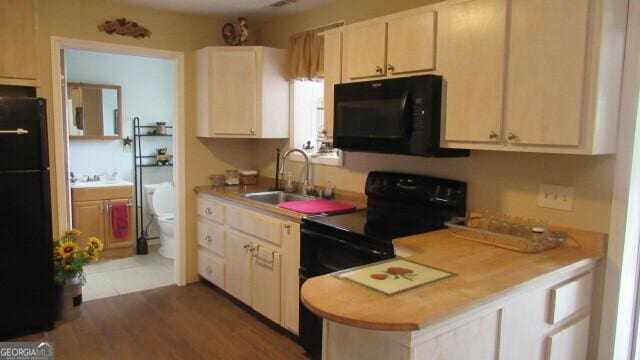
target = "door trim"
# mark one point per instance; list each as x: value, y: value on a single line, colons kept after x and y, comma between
x: 59, y: 183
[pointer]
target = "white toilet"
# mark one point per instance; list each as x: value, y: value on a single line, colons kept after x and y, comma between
x: 162, y: 203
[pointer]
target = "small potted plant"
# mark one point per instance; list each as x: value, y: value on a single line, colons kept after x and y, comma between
x: 69, y: 260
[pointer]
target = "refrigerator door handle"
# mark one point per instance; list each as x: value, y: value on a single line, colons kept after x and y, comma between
x: 18, y: 131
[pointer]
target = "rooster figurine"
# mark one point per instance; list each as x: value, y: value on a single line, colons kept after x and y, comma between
x: 233, y: 36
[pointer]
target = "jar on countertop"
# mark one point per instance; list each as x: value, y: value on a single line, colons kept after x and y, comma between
x: 248, y: 177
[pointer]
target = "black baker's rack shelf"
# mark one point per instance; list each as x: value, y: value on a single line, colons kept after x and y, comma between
x: 140, y: 163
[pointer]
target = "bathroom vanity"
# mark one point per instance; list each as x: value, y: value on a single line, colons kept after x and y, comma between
x: 93, y: 203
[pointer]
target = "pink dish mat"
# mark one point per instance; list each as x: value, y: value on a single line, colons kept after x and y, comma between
x: 316, y: 206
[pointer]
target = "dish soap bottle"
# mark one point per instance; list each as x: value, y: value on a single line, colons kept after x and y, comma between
x: 328, y: 193
x: 289, y: 187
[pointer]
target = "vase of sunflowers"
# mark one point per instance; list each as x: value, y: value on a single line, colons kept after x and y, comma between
x: 69, y: 259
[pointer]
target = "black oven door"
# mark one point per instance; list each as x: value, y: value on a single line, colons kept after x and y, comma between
x: 322, y: 252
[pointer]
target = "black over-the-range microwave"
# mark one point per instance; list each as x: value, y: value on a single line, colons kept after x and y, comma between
x: 395, y: 116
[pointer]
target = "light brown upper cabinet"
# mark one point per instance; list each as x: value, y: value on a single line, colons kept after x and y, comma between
x: 242, y: 92
x: 547, y: 63
x: 411, y: 43
x: 532, y: 75
x: 18, y: 42
x: 366, y: 51
x: 395, y: 45
x: 475, y: 67
x: 332, y: 73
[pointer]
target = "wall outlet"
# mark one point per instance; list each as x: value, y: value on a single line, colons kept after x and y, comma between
x: 556, y: 197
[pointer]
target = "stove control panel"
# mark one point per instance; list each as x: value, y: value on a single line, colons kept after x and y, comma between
x: 418, y: 189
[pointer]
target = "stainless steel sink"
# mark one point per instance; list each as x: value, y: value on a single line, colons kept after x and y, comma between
x: 276, y: 197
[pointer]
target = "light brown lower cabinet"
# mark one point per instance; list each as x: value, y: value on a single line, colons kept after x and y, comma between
x: 252, y: 256
x: 520, y: 324
x: 88, y: 217
x: 92, y: 216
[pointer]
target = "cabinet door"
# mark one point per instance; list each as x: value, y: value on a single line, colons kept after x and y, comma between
x: 17, y: 39
x: 233, y: 91
x: 111, y: 240
x: 237, y: 275
x: 332, y: 75
x: 475, y: 69
x: 265, y: 282
x: 546, y: 71
x: 411, y: 43
x: 88, y: 217
x: 366, y: 50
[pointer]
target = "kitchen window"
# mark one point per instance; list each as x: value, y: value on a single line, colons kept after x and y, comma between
x: 308, y: 122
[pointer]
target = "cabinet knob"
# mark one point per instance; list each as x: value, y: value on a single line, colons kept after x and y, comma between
x: 208, y: 238
x: 390, y: 67
x: 208, y: 269
x: 511, y: 136
x: 378, y: 69
x: 207, y: 211
x: 252, y: 130
x: 493, y: 135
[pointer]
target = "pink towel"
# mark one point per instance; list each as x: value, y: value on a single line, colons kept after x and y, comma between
x: 316, y: 206
x: 120, y: 220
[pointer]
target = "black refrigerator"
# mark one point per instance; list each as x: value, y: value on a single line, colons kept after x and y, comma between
x: 27, y: 290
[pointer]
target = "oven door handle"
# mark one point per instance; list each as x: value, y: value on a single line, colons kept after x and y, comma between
x: 347, y: 244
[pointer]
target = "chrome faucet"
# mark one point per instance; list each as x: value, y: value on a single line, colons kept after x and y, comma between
x: 307, y: 188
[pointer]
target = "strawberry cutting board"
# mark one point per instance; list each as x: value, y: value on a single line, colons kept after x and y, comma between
x: 318, y: 206
x: 393, y: 276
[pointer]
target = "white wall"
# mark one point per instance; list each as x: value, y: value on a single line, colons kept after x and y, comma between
x: 147, y: 86
x: 147, y: 92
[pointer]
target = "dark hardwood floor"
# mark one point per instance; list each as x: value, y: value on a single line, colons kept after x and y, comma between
x: 190, y: 322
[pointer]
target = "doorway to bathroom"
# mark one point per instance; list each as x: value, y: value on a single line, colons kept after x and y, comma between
x: 121, y: 124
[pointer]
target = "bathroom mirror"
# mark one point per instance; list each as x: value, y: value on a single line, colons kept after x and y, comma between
x: 94, y: 111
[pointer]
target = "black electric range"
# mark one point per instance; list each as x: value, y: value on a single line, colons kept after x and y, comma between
x: 398, y: 205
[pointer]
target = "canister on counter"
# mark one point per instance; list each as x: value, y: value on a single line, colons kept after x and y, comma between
x: 231, y: 177
x: 248, y: 177
x: 217, y: 180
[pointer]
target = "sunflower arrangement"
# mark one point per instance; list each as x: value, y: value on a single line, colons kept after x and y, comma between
x: 69, y: 258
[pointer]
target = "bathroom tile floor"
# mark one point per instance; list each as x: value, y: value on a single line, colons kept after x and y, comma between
x: 122, y: 276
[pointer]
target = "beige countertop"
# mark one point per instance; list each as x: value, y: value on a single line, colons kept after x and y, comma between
x: 483, y: 273
x: 234, y: 193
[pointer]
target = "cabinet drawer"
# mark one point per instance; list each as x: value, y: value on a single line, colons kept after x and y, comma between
x: 210, y: 267
x: 211, y: 236
x: 261, y: 226
x: 570, y: 343
x: 569, y: 297
x: 211, y: 210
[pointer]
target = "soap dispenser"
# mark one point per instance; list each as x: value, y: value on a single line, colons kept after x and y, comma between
x: 289, y: 187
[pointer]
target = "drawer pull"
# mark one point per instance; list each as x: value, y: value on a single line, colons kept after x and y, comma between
x: 208, y: 238
x: 207, y: 211
x: 208, y: 269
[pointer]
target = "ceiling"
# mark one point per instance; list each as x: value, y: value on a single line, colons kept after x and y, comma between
x: 259, y: 9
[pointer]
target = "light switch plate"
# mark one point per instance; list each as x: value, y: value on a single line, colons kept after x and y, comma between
x: 556, y: 197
